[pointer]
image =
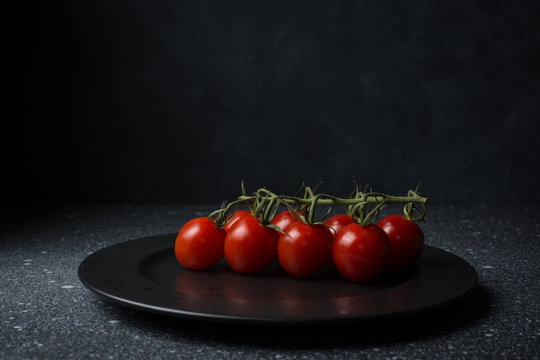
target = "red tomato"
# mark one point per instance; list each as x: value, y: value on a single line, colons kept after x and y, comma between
x: 406, y: 241
x: 305, y: 249
x: 338, y: 222
x: 199, y: 244
x: 283, y: 219
x: 250, y: 246
x: 360, y: 252
x: 240, y: 214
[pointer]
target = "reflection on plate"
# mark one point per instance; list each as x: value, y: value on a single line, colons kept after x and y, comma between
x: 144, y: 274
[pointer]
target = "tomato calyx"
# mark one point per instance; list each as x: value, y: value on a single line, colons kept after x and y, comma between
x: 363, y: 212
x: 307, y: 212
x: 410, y: 208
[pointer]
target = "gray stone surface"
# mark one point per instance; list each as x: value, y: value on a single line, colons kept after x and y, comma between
x: 45, y: 312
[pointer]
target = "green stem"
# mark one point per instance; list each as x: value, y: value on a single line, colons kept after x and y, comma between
x: 266, y: 204
x: 343, y: 201
x: 265, y: 220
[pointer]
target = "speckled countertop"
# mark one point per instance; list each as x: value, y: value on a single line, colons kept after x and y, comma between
x: 46, y: 312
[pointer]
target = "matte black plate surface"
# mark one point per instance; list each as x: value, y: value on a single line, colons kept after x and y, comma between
x: 145, y: 274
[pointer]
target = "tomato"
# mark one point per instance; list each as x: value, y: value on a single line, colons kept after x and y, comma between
x: 284, y: 219
x: 305, y: 249
x: 406, y: 241
x: 239, y: 214
x: 360, y: 252
x: 199, y: 244
x: 250, y: 246
x: 338, y: 222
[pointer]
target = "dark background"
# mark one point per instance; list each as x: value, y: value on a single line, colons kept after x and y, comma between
x: 177, y: 101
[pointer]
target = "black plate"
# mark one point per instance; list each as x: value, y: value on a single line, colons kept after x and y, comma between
x: 144, y: 274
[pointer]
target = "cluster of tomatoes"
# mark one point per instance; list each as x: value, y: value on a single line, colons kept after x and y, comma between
x: 359, y: 252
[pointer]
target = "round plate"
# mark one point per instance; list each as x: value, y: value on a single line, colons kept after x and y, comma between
x: 145, y: 274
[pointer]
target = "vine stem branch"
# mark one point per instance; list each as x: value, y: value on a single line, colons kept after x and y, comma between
x: 265, y: 203
x: 343, y: 201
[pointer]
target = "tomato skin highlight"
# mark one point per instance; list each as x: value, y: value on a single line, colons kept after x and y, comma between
x: 250, y: 246
x: 406, y: 241
x: 338, y: 222
x: 360, y: 253
x: 199, y: 244
x: 305, y: 249
x: 239, y: 214
x: 284, y: 219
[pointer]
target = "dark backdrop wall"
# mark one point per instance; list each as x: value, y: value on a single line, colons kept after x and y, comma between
x: 177, y: 101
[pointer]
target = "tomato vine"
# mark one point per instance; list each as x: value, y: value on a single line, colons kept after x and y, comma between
x: 363, y: 206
